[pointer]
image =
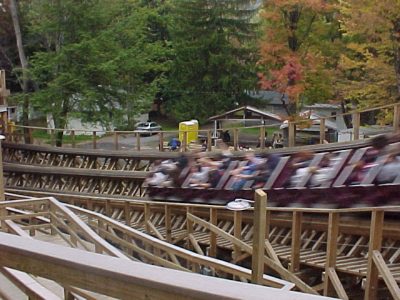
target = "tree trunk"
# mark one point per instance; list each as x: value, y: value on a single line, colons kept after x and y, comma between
x: 24, y: 66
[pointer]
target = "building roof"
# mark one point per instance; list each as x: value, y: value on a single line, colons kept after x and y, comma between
x: 323, y: 106
x: 257, y: 114
x: 315, y: 121
x: 271, y: 97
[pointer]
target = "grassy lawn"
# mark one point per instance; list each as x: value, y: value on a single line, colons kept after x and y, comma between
x: 67, y: 139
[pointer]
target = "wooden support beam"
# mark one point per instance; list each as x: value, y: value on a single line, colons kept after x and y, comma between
x: 375, y: 243
x: 386, y: 274
x: 147, y: 217
x: 213, y: 236
x: 127, y: 213
x: 257, y: 261
x: 168, y: 227
x: 296, y: 241
x: 331, y: 248
x: 237, y: 232
x: 335, y: 281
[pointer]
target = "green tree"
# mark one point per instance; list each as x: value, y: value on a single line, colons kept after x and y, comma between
x: 370, y: 66
x: 98, y: 60
x: 214, y: 60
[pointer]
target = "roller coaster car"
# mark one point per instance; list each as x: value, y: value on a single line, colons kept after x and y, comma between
x: 330, y: 178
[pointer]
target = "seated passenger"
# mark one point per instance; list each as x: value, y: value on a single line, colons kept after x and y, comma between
x: 261, y: 179
x: 300, y: 165
x: 199, y: 175
x: 390, y: 170
x: 243, y: 174
x: 323, y: 172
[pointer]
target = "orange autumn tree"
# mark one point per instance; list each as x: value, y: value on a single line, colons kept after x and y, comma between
x: 298, y: 51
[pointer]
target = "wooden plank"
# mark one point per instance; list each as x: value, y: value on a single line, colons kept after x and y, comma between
x: 386, y: 274
x: 371, y: 287
x: 337, y: 284
x: 259, y: 221
x: 213, y: 236
x: 333, y: 231
x: 120, y: 278
x: 237, y: 221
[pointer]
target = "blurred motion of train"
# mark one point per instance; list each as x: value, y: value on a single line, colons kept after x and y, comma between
x: 367, y: 174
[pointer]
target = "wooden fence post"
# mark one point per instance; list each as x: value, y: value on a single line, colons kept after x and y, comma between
x: 396, y: 118
x: 209, y: 141
x: 262, y: 137
x: 73, y: 138
x: 375, y: 243
x: 322, y: 136
x: 138, y: 141
x: 292, y: 134
x: 184, y: 142
x: 161, y: 141
x: 235, y: 139
x: 2, y: 196
x: 257, y: 261
x: 53, y: 137
x: 356, y: 126
x: 94, y: 140
x: 116, y: 140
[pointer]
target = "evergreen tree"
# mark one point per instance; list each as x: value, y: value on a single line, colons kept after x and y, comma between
x: 214, y: 56
x: 98, y: 60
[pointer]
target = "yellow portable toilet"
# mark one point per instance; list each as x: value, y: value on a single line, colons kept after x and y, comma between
x: 192, y: 129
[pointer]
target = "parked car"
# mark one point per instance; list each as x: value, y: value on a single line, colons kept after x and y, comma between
x: 148, y: 127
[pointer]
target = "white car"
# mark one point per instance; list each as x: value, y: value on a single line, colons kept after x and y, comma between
x: 148, y: 127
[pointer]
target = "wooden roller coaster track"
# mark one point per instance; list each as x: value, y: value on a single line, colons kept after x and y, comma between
x: 312, y: 250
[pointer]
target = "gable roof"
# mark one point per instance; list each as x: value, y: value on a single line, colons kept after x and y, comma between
x: 258, y: 114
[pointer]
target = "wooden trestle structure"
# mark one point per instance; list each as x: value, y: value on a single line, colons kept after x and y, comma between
x: 347, y: 253
x: 316, y: 251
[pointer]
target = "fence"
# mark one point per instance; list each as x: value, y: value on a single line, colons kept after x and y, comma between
x: 238, y: 141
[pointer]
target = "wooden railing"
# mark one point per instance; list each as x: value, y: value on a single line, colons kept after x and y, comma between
x: 120, y: 278
x: 338, y: 239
